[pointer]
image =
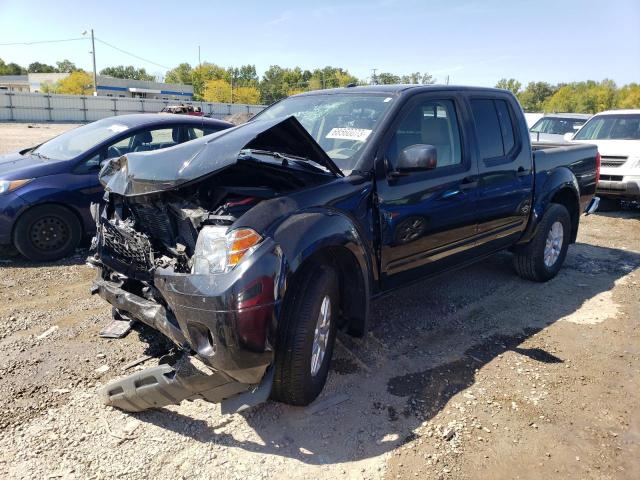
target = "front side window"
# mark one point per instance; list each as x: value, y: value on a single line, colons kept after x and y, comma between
x: 144, y: 141
x: 610, y: 127
x: 432, y: 122
x: 197, y: 132
x: 340, y: 123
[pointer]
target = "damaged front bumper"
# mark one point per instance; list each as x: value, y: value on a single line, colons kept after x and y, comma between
x: 227, y: 321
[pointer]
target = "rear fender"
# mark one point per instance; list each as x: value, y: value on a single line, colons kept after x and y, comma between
x: 547, y: 185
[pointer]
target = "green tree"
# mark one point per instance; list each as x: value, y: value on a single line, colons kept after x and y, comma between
x: 386, y: 78
x: 583, y: 97
x: 418, y: 78
x: 77, y: 83
x: 272, y: 86
x: 182, y: 74
x: 217, y: 90
x: 563, y: 100
x: 11, y: 68
x: 66, y: 66
x: 205, y: 72
x: 534, y: 95
x: 512, y: 85
x: 37, y: 67
x: 249, y: 95
x: 129, y: 72
x: 245, y: 76
x: 49, y: 87
x: 629, y: 96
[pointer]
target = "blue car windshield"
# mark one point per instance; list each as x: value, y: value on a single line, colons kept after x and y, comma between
x: 77, y: 141
x: 340, y: 123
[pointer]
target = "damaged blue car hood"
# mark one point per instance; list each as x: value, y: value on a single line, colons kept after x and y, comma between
x: 142, y: 173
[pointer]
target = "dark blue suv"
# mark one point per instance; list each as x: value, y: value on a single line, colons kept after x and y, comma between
x: 45, y: 192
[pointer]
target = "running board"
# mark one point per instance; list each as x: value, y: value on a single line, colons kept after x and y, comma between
x: 164, y: 385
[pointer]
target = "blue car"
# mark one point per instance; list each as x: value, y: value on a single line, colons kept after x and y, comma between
x: 45, y: 192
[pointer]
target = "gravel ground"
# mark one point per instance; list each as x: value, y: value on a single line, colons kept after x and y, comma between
x: 476, y: 374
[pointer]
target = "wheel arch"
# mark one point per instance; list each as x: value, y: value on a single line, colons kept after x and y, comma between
x: 561, y: 187
x: 330, y: 238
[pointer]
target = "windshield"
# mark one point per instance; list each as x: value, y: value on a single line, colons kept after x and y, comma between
x: 557, y: 126
x: 611, y: 127
x: 340, y: 123
x: 77, y: 141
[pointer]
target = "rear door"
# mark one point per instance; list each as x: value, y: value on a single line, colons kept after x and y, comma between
x: 427, y: 218
x: 505, y: 185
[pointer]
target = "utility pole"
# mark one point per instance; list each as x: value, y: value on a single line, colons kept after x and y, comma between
x: 374, y: 80
x: 199, y: 56
x: 95, y: 75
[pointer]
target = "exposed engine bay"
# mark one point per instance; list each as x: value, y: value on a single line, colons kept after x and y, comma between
x: 142, y: 233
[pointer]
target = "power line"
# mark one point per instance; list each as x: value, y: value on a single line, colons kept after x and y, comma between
x: 44, y: 41
x: 132, y: 54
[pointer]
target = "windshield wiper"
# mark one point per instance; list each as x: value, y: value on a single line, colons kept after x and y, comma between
x: 40, y: 155
x: 299, y: 160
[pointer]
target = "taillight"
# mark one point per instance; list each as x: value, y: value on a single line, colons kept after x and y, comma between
x: 598, y: 167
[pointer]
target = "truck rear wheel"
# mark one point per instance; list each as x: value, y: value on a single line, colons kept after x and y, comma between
x: 306, y: 341
x: 541, y: 258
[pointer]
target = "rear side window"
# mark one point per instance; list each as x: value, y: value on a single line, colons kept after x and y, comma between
x: 494, y: 127
x: 506, y: 126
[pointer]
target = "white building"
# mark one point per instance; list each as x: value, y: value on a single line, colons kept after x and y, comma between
x: 107, y: 86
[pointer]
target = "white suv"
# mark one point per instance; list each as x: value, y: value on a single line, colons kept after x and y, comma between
x: 617, y: 135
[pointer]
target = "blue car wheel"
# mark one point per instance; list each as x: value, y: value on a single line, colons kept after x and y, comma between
x: 47, y: 232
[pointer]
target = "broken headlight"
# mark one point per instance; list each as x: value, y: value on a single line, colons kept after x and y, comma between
x: 219, y: 250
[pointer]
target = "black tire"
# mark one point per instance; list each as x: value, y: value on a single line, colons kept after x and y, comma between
x: 294, y: 382
x: 47, y: 232
x: 608, y: 204
x: 529, y: 259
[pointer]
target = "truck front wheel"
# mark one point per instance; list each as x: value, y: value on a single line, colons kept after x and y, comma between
x: 308, y: 331
x: 541, y: 258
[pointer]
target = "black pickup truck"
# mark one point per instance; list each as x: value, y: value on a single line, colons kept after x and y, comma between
x: 250, y: 247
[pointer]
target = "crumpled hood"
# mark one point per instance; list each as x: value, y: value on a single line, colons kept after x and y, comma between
x: 142, y: 173
x: 15, y: 166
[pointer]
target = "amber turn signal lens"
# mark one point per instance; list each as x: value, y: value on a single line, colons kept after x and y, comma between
x: 240, y: 241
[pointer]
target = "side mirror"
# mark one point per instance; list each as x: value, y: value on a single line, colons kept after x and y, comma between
x: 568, y: 136
x: 417, y: 158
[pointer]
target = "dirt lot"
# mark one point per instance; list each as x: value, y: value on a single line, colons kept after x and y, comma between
x: 476, y: 374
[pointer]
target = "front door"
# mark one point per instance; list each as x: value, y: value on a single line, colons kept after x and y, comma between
x: 427, y: 218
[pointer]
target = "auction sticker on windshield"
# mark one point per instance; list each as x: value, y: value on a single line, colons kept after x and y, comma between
x: 359, y: 134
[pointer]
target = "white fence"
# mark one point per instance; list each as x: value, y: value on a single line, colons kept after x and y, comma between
x: 42, y: 107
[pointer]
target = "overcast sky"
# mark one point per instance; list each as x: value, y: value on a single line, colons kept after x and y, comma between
x: 473, y: 42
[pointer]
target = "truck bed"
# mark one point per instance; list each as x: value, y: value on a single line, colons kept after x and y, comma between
x: 548, y: 158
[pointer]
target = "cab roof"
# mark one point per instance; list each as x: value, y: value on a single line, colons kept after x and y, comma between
x: 401, y: 88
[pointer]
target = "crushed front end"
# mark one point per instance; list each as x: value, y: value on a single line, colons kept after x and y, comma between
x: 144, y: 252
x: 176, y: 256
